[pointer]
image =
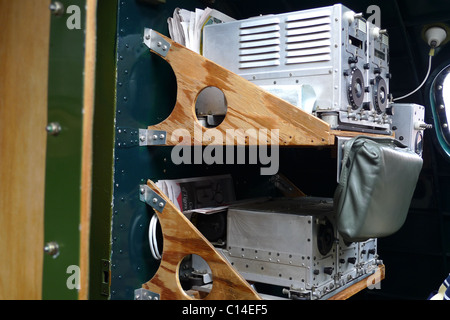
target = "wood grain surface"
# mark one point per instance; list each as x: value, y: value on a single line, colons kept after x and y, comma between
x: 248, y: 106
x: 181, y: 238
x: 24, y: 38
x: 86, y: 160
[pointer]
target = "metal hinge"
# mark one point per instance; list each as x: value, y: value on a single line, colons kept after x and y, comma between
x: 143, y: 294
x: 150, y: 197
x: 152, y: 137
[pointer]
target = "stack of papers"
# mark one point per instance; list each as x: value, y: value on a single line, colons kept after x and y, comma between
x: 186, y: 27
x: 202, y: 195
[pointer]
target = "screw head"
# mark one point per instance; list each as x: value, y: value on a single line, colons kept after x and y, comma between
x: 51, y: 248
x: 53, y: 128
x: 57, y: 8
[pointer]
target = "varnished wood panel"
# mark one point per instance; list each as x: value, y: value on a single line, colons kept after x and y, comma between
x: 24, y: 39
x: 86, y: 161
x: 181, y: 238
x: 248, y: 106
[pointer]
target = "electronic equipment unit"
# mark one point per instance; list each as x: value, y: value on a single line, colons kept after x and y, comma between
x: 328, y: 61
x: 408, y: 125
x: 293, y: 243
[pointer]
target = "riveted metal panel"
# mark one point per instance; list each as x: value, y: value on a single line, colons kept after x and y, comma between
x: 145, y: 95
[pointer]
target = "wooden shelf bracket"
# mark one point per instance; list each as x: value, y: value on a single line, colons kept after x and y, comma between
x: 249, y: 108
x: 180, y: 239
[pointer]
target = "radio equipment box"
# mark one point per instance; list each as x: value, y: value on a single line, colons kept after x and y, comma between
x: 328, y: 61
x: 294, y: 243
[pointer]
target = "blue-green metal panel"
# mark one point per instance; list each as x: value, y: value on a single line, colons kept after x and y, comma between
x: 63, y: 164
x: 145, y: 89
x: 103, y: 147
x: 146, y: 94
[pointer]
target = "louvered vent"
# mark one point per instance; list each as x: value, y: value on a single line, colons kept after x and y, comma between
x: 308, y: 39
x: 259, y: 43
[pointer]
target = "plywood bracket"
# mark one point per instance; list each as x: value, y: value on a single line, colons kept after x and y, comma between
x: 180, y: 239
x: 250, y: 109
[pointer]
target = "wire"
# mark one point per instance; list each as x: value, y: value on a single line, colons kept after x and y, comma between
x: 152, y: 238
x: 424, y: 80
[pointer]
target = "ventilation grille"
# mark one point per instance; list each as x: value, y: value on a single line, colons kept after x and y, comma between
x: 259, y: 43
x: 308, y: 39
x: 305, y: 39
